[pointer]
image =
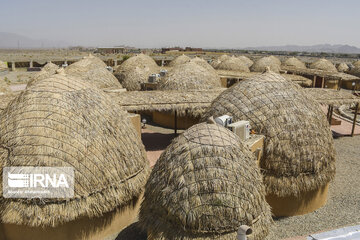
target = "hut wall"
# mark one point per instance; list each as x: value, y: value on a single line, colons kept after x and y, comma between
x: 348, y: 85
x: 136, y: 121
x: 306, y: 202
x: 81, y: 229
x: 167, y: 119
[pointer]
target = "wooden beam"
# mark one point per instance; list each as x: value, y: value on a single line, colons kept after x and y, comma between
x: 328, y: 113
x: 314, y: 81
x: 331, y: 113
x: 354, y: 122
x: 175, y: 122
x: 322, y: 82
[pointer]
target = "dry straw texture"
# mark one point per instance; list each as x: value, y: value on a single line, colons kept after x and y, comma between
x: 356, y: 63
x: 201, y: 62
x: 246, y: 60
x: 179, y: 60
x: 205, y: 185
x: 189, y: 76
x: 294, y: 62
x: 331, y: 96
x: 3, y: 65
x: 299, y: 154
x: 62, y: 121
x: 94, y: 70
x: 323, y: 64
x: 272, y: 62
x: 48, y: 70
x: 342, y: 67
x: 4, y: 87
x: 190, y: 103
x: 216, y: 62
x: 6, y: 98
x: 233, y: 64
x: 355, y: 71
x: 136, y: 70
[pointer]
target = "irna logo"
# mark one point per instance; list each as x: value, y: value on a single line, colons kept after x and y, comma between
x: 36, y: 180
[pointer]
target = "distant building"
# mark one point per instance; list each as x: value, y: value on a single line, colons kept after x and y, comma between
x: 110, y: 50
x: 190, y: 49
x: 164, y: 50
x: 187, y: 49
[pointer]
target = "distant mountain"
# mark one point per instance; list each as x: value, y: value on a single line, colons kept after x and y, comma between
x: 328, y: 48
x: 12, y: 40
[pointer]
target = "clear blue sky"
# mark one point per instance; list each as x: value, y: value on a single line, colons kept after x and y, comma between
x: 203, y: 23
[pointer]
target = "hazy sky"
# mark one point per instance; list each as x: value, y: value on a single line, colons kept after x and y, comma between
x: 197, y: 23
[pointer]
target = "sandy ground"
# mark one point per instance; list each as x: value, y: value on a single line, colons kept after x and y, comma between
x: 342, y: 208
x: 20, y: 76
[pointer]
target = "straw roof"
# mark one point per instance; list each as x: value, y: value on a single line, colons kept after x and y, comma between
x: 355, y: 71
x: 3, y: 65
x: 191, y: 103
x: 63, y: 121
x: 299, y: 151
x: 94, y: 70
x: 234, y: 64
x: 136, y: 70
x: 6, y: 98
x: 342, y: 67
x: 179, y: 60
x: 4, y: 87
x: 332, y: 96
x: 272, y: 62
x: 201, y: 62
x: 205, y: 185
x: 189, y: 76
x: 323, y: 64
x: 219, y: 60
x: 294, y: 62
x: 321, y: 73
x: 48, y: 70
x: 356, y: 63
x: 247, y: 60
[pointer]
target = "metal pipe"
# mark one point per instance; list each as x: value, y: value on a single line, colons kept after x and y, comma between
x: 243, y: 231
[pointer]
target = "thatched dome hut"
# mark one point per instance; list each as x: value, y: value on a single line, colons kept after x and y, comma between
x: 323, y: 64
x: 179, y: 60
x: 355, y: 71
x: 356, y: 63
x: 342, y: 67
x: 189, y: 76
x: 294, y: 62
x: 272, y: 62
x: 136, y: 70
x: 201, y: 62
x: 94, y: 70
x: 185, y: 77
x: 48, y: 70
x: 246, y: 60
x: 234, y: 64
x: 63, y: 121
x: 299, y: 156
x: 205, y: 186
x: 217, y: 61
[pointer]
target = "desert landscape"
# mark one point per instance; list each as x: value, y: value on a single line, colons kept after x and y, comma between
x: 181, y: 120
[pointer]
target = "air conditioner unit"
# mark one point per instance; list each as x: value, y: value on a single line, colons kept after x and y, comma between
x: 152, y: 78
x: 241, y: 128
x: 110, y: 69
x: 163, y: 72
x: 224, y: 120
